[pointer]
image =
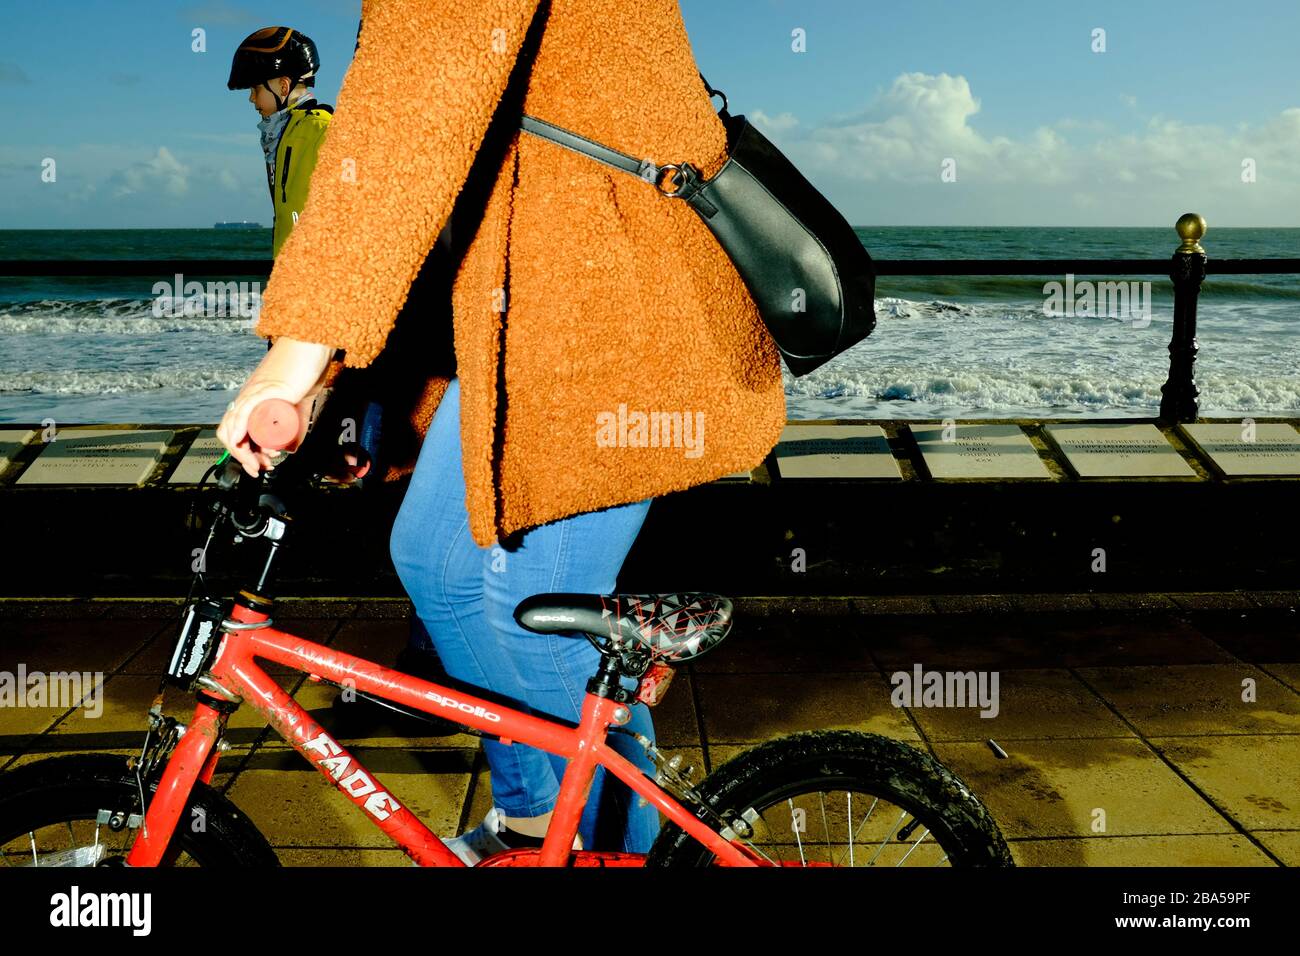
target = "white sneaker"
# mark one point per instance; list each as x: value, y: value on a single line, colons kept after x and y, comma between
x: 483, y: 841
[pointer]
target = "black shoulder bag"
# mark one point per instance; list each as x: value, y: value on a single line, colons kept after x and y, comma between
x: 805, y: 268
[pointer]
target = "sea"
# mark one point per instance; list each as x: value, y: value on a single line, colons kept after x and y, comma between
x: 145, y: 350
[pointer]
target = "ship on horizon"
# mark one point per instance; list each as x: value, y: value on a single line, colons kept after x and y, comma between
x: 240, y: 224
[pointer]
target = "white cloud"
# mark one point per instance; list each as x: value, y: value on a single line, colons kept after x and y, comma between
x: 162, y: 173
x: 771, y: 125
x: 905, y: 134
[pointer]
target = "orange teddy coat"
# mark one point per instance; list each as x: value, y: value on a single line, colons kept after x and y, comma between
x: 606, y: 347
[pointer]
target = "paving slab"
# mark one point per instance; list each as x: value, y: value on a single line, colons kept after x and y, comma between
x: 1284, y: 844
x: 11, y: 442
x: 1196, y: 699
x: 979, y: 452
x: 1220, y: 849
x: 1118, y: 451
x: 748, y: 709
x: 786, y: 647
x: 1286, y: 672
x: 1054, y: 788
x: 97, y: 456
x: 202, y: 453
x: 1250, y: 638
x: 1254, y: 779
x: 835, y: 451
x: 84, y: 644
x: 1239, y: 450
x: 1029, y: 703
x: 335, y: 857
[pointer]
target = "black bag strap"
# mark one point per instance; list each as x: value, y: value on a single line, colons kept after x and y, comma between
x: 644, y: 169
x: 581, y: 144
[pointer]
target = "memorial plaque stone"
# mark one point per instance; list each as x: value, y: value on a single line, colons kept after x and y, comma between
x: 979, y: 451
x: 96, y: 456
x: 1119, y: 451
x: 835, y: 451
x: 1265, y: 448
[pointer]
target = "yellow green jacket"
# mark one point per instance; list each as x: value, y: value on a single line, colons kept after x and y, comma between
x: 295, y: 158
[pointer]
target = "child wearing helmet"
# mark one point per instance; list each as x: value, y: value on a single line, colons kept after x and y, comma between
x: 277, y: 65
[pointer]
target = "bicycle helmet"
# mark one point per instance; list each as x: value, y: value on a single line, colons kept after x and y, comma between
x: 272, y: 52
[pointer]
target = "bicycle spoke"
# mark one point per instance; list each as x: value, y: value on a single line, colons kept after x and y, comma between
x: 803, y: 861
x: 851, y: 833
x: 890, y: 836
x: 914, y: 846
x: 870, y: 810
x: 821, y: 798
x: 808, y: 846
x: 767, y: 827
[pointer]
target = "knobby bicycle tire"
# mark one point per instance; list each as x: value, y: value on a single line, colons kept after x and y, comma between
x: 850, y: 760
x: 76, y: 787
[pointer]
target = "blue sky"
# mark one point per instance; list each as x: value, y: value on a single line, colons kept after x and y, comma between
x: 1039, y: 129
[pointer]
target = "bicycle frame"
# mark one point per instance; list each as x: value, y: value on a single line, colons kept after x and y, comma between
x: 235, y: 676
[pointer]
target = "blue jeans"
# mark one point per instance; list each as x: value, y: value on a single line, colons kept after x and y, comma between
x: 465, y: 596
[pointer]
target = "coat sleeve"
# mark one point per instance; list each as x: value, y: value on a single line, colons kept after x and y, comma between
x: 412, y: 112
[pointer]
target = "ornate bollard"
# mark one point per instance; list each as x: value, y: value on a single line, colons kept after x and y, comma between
x: 1187, y: 272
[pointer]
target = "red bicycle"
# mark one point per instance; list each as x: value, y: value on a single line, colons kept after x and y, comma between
x: 822, y: 798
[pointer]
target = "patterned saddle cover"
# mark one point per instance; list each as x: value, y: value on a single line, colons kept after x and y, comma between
x: 673, y: 628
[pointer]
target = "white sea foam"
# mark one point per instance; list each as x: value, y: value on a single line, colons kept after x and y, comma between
x: 214, y: 314
x: 929, y: 357
x: 113, y: 382
x: 1008, y: 392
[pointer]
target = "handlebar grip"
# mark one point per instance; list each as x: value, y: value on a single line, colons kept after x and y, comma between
x: 273, y: 424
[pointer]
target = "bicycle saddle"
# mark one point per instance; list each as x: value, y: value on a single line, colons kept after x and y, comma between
x: 672, y: 627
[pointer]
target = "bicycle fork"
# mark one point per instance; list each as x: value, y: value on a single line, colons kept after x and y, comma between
x: 194, y: 759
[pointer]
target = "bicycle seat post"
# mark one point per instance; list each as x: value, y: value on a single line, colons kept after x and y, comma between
x: 607, y: 704
x: 607, y: 681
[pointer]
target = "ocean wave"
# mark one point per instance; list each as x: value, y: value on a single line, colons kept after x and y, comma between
x: 1000, y: 390
x: 891, y: 308
x: 115, y: 382
x: 215, y: 313
x: 1281, y: 288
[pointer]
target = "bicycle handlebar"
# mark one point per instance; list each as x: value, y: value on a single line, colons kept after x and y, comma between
x: 273, y: 424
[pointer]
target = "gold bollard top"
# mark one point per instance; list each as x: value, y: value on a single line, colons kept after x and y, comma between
x: 1191, y: 227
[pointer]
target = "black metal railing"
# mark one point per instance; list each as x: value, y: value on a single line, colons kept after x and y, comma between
x: 1187, y: 269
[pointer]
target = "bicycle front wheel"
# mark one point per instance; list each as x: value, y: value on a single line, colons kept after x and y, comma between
x: 841, y: 798
x: 84, y: 810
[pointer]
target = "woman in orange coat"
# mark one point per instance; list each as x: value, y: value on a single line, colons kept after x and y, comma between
x: 606, y: 351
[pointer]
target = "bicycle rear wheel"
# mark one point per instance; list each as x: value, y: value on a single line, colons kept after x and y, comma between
x: 842, y: 798
x: 83, y: 810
